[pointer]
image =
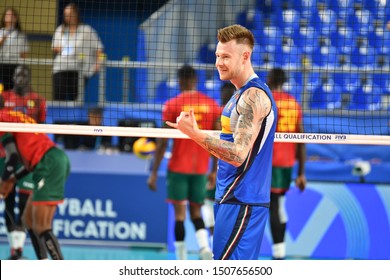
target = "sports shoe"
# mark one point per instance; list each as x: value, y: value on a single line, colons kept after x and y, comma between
x: 15, y: 254
x: 205, y: 254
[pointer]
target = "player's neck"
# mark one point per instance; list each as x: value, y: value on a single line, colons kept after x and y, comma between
x: 243, y: 79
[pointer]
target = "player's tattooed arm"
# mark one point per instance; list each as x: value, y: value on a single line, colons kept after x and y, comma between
x: 253, y: 106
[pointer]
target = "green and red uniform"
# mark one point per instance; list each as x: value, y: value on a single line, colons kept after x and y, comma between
x: 188, y: 158
x: 32, y: 104
x: 284, y: 154
x: 39, y: 154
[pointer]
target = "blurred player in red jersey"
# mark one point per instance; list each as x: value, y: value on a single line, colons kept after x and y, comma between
x: 189, y: 163
x: 21, y: 98
x: 50, y: 167
x: 284, y: 156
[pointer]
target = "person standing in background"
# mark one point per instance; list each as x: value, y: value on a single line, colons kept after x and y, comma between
x: 22, y: 99
x: 283, y: 161
x: 78, y: 50
x: 244, y: 149
x: 189, y: 163
x: 13, y: 46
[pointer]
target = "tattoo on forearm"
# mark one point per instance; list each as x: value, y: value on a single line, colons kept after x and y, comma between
x: 224, y: 150
x: 253, y: 107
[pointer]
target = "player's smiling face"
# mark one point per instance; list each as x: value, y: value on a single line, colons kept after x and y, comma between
x: 228, y: 57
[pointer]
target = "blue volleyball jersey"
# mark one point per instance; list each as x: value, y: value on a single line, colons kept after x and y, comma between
x: 249, y: 183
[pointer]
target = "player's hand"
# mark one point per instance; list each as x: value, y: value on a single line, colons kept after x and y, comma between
x: 185, y: 122
x: 152, y: 182
x: 300, y: 182
x: 6, y: 187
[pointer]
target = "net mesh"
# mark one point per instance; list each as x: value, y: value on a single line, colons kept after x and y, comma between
x: 123, y: 57
x: 105, y: 82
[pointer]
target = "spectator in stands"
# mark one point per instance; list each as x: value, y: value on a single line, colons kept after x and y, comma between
x: 78, y: 50
x: 13, y: 46
x: 23, y: 99
x: 189, y: 163
x: 284, y: 155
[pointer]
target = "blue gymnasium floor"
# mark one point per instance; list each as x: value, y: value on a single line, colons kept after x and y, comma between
x: 103, y: 253
x: 100, y: 253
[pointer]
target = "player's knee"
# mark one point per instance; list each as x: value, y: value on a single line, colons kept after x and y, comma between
x: 39, y: 229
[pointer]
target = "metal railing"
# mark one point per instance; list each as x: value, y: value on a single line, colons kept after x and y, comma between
x: 126, y: 65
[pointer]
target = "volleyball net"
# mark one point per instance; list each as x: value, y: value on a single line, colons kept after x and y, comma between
x: 124, y: 56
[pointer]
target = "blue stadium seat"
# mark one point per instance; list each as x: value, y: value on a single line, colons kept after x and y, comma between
x: 324, y: 19
x: 379, y: 36
x: 213, y: 88
x: 294, y: 85
x: 344, y: 38
x: 347, y: 80
x: 257, y: 54
x: 268, y: 7
x: 325, y: 55
x: 306, y: 38
x: 306, y: 8
x: 344, y: 8
x: 251, y: 19
x: 380, y: 9
x: 382, y: 61
x: 270, y: 37
x: 367, y: 96
x: 206, y: 53
x: 258, y: 20
x: 364, y: 55
x: 272, y: 59
x: 361, y: 20
x: 202, y: 75
x: 382, y: 81
x: 289, y: 21
x: 313, y: 81
x: 327, y: 95
x: 290, y: 54
x: 166, y: 89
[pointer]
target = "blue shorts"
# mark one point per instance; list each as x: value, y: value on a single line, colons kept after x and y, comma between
x: 238, y: 231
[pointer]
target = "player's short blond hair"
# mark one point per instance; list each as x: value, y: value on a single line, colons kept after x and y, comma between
x: 236, y: 32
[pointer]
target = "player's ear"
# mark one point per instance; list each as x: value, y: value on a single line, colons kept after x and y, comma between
x: 246, y: 55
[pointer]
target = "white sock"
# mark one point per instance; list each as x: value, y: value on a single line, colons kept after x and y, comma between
x: 180, y: 250
x: 202, y: 236
x: 279, y: 250
x: 11, y: 238
x: 208, y: 213
x: 20, y: 238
